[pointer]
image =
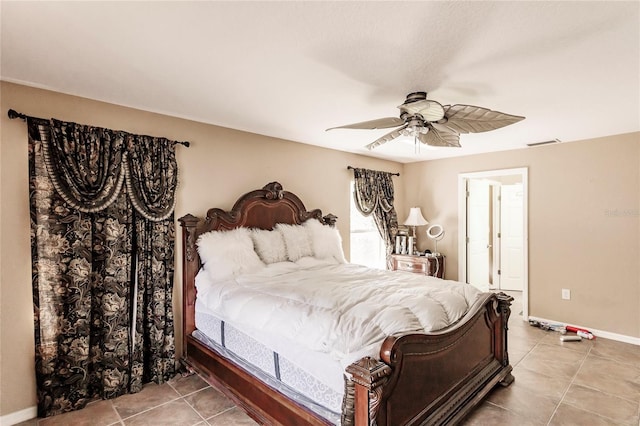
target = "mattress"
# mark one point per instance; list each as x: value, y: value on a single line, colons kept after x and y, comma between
x: 339, y: 309
x: 318, y: 384
x: 297, y: 326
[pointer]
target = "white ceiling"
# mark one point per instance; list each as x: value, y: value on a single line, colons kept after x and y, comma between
x: 292, y: 69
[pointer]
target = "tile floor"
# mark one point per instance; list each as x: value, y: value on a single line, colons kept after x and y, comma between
x: 586, y: 383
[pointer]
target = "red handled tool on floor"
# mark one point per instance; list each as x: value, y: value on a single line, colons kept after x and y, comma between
x: 582, y: 332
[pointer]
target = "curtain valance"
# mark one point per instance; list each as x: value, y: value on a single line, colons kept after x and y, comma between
x: 89, y: 166
x: 374, y: 195
x: 373, y: 189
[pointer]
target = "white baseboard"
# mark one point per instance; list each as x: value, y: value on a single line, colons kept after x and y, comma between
x: 597, y: 333
x: 19, y: 416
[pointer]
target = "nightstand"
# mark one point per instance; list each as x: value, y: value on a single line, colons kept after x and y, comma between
x: 427, y: 265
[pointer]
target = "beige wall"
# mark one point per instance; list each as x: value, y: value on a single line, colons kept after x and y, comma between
x: 220, y: 165
x: 584, y: 225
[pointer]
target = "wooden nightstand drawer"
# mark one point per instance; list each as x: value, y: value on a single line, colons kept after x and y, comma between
x: 432, y: 265
x: 404, y: 265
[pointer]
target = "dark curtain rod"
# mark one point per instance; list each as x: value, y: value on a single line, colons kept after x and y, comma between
x: 392, y: 174
x: 13, y: 114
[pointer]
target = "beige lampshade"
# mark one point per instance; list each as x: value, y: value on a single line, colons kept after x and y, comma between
x: 415, y: 218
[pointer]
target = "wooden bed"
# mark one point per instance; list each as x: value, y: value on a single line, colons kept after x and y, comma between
x: 432, y: 379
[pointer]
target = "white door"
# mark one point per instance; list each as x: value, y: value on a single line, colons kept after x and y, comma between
x: 478, y: 214
x: 512, y: 238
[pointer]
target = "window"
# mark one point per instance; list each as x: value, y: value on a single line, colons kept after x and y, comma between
x: 367, y: 247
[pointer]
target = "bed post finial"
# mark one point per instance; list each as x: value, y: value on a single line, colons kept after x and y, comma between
x: 330, y: 220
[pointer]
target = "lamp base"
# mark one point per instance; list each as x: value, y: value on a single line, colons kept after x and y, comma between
x: 414, y: 242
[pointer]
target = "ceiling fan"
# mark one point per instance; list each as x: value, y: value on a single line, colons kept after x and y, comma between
x: 433, y: 124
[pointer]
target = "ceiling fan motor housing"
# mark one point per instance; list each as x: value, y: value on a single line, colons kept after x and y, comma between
x: 415, y: 96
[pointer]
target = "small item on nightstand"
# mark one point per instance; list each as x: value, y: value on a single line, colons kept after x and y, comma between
x: 570, y: 339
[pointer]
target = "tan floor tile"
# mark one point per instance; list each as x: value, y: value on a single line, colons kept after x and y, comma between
x: 609, y: 376
x: 208, y: 402
x: 553, y: 387
x: 95, y: 414
x: 617, y: 351
x: 175, y: 413
x: 521, y: 401
x: 520, y: 343
x: 488, y: 414
x: 151, y: 396
x: 552, y: 360
x: 567, y: 415
x: 605, y: 405
x: 232, y: 417
x: 516, y: 356
x: 185, y: 385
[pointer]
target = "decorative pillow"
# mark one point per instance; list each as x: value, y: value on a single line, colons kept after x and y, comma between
x: 325, y: 241
x: 228, y: 253
x: 269, y: 245
x: 296, y: 240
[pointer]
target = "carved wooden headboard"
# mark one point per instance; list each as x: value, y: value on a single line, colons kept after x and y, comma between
x: 262, y: 208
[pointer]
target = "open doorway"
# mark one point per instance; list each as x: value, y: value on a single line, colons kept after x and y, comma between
x: 493, y: 239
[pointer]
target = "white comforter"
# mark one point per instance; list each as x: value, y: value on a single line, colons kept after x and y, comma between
x: 335, y: 308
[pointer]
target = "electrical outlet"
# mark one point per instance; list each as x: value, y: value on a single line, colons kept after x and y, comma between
x: 566, y: 294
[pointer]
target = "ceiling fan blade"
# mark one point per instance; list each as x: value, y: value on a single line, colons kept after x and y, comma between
x: 386, y: 138
x: 442, y: 128
x: 428, y: 109
x: 473, y: 119
x: 381, y: 123
x: 435, y: 137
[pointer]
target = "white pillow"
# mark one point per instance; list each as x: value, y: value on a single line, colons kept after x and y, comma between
x: 296, y: 240
x: 269, y: 245
x: 228, y: 253
x: 326, y: 242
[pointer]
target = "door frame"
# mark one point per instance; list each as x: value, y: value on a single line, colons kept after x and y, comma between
x: 496, y: 250
x: 462, y: 225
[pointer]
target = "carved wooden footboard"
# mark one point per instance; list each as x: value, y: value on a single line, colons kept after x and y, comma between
x: 436, y: 378
x: 431, y: 379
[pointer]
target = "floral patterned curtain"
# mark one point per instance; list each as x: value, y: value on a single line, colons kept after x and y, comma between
x: 374, y: 195
x: 102, y: 258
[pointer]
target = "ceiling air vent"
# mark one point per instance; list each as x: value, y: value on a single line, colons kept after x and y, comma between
x: 544, y: 142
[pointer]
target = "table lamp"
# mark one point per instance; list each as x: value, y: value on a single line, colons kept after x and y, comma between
x: 415, y: 219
